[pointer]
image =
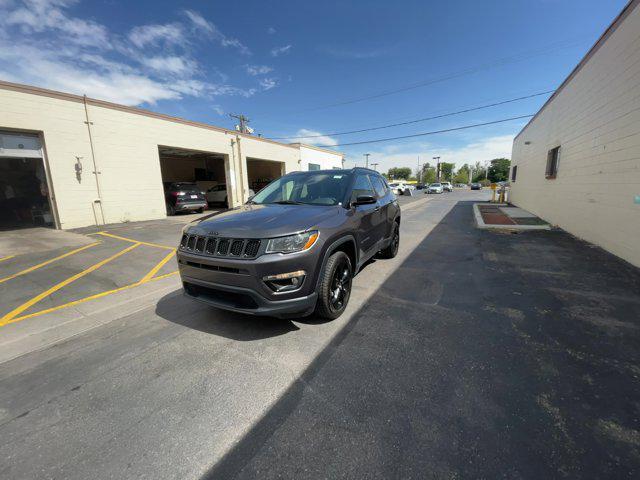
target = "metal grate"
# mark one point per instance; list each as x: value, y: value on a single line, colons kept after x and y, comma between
x: 236, y: 248
x: 200, y: 244
x: 251, y: 249
x: 223, y: 246
x: 210, y: 249
x: 220, y: 247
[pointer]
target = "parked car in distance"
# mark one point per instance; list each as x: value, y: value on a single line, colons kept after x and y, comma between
x: 183, y: 197
x: 295, y: 247
x: 218, y: 195
x: 476, y: 186
x: 420, y: 186
x: 398, y: 187
x: 435, y: 188
x: 447, y: 187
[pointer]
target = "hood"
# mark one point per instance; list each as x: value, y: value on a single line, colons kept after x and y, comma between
x: 263, y: 221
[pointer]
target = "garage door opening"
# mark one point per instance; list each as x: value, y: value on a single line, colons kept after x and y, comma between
x: 262, y: 172
x: 194, y: 173
x: 24, y: 192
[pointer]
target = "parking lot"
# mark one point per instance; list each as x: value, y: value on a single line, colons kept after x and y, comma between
x: 471, y: 354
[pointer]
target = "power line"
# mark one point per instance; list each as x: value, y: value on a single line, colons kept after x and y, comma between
x: 429, y: 133
x: 549, y: 48
x: 409, y: 122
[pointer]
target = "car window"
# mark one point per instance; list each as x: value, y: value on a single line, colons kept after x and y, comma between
x: 362, y: 186
x: 306, y: 187
x: 378, y: 185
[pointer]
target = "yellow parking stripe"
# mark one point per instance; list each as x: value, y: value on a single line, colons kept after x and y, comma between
x: 2, y: 259
x: 86, y: 299
x: 17, y: 311
x: 131, y: 240
x: 43, y: 264
x: 157, y: 268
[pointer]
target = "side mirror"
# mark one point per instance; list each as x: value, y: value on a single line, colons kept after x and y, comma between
x: 364, y: 200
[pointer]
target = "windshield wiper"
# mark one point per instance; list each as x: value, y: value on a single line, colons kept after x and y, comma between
x: 288, y: 202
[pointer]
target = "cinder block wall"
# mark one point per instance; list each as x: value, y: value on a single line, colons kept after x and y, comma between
x: 595, y: 119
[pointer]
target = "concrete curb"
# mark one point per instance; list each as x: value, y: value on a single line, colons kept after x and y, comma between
x: 480, y: 222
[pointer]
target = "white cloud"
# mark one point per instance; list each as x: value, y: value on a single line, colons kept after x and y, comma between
x: 271, y: 30
x: 205, y: 26
x: 276, y: 52
x: 42, y: 44
x: 218, y: 109
x: 171, y: 64
x: 255, y: 70
x: 39, y: 15
x: 268, y: 83
x: 317, y: 138
x: 145, y: 35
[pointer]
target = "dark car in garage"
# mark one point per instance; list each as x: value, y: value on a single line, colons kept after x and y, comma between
x: 183, y: 197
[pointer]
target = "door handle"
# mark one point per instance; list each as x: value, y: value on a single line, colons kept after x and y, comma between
x: 377, y: 208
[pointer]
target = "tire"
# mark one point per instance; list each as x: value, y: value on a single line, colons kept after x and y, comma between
x: 392, y: 250
x: 170, y: 210
x: 226, y: 202
x: 335, y: 286
x: 200, y: 210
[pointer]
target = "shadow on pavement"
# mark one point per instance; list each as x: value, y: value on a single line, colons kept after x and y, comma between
x: 483, y: 355
x: 178, y: 309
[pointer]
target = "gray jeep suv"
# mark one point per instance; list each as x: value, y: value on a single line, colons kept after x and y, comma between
x: 294, y: 247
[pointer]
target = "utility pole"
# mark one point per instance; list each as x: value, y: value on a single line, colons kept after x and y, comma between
x: 375, y: 165
x: 419, y: 171
x: 242, y: 123
x: 366, y: 155
x: 437, y: 159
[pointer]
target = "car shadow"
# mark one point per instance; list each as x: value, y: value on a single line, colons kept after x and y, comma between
x: 176, y: 308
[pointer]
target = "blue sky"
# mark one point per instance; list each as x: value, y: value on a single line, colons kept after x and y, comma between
x: 286, y: 64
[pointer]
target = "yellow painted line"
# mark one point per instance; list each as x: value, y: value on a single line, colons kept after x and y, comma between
x: 43, y: 264
x: 86, y: 299
x: 157, y: 268
x: 2, y: 259
x: 131, y: 240
x: 18, y: 310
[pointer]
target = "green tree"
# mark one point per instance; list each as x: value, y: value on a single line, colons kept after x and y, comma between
x: 429, y: 175
x: 499, y: 170
x: 446, y: 170
x: 462, y: 175
x: 402, y: 173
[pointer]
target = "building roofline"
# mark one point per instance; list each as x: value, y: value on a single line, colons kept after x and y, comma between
x: 30, y: 89
x: 313, y: 147
x: 626, y: 11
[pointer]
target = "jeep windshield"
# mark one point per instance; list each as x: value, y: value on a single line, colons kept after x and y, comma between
x: 306, y: 188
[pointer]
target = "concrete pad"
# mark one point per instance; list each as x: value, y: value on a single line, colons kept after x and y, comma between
x: 516, y: 212
x: 40, y: 239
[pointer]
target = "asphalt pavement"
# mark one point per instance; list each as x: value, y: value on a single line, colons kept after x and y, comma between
x: 472, y: 354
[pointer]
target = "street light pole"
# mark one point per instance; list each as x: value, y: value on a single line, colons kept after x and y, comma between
x: 437, y: 159
x: 375, y: 165
x: 419, y: 171
x: 366, y: 155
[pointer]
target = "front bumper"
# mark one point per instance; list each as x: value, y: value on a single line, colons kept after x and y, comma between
x: 237, y: 284
x: 247, y: 301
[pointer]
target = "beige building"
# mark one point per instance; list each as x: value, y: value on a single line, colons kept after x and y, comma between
x: 69, y: 161
x: 577, y: 163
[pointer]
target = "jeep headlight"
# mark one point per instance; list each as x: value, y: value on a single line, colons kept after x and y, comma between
x: 292, y: 243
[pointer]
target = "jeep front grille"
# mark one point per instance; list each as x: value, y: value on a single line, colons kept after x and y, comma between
x: 220, y: 247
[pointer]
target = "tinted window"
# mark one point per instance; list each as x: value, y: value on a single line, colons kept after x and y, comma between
x: 185, y: 187
x: 362, y: 186
x: 308, y: 188
x: 378, y: 186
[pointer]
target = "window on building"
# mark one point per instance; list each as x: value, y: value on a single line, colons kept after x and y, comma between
x: 514, y: 172
x: 553, y: 158
x: 314, y: 166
